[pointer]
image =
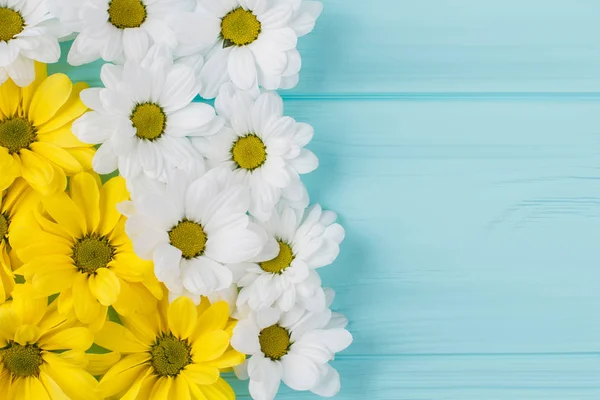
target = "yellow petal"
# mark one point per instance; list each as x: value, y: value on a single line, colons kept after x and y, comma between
x: 84, y: 155
x: 218, y: 391
x: 105, y: 286
x: 115, y: 337
x: 54, y: 279
x: 57, y: 155
x: 134, y: 297
x: 134, y: 390
x: 194, y: 389
x: 123, y: 374
x: 86, y: 306
x: 41, y: 73
x: 34, y: 390
x: 98, y: 323
x: 85, y: 193
x: 210, y: 346
x: 112, y: 193
x: 98, y: 364
x: 55, y: 392
x: 147, y: 386
x: 127, y: 265
x: 78, y: 338
x: 62, y: 137
x: 28, y: 304
x: 10, y: 167
x: 38, y: 172
x: 66, y: 213
x: 65, y: 302
x: 201, y: 374
x: 181, y: 389
x: 182, y: 317
x: 75, y: 382
x: 161, y: 389
x: 214, y: 318
x: 229, y: 359
x: 27, y: 334
x: 141, y: 327
x: 10, y: 98
x: 52, y: 94
x: 74, y: 358
x: 72, y: 109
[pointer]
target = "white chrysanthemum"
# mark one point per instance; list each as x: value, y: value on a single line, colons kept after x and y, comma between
x: 295, y: 347
x: 255, y: 42
x: 193, y: 229
x: 306, y: 243
x: 27, y: 34
x: 144, y: 118
x: 115, y: 30
x: 263, y: 148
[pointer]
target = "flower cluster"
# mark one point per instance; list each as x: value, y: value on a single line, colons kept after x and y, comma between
x: 149, y: 241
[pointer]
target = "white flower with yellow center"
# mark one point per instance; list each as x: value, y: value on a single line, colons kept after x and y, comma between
x: 295, y: 347
x: 115, y: 30
x: 27, y: 34
x: 255, y: 42
x: 263, y: 148
x: 193, y: 229
x: 144, y: 118
x: 305, y: 244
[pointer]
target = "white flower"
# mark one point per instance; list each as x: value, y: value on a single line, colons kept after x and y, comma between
x: 144, y: 118
x: 115, y: 30
x: 255, y: 42
x: 264, y: 148
x: 290, y: 279
x: 27, y: 34
x: 295, y: 347
x: 193, y: 228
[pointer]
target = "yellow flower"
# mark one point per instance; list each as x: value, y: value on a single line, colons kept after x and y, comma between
x: 36, y: 141
x: 42, y: 354
x: 76, y: 245
x: 175, y: 353
x: 14, y: 203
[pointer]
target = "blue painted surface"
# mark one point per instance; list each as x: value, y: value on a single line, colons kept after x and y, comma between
x: 460, y: 143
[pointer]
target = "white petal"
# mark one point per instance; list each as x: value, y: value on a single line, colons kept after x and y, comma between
x: 203, y: 276
x: 135, y: 43
x: 214, y: 74
x: 187, y: 120
x: 299, y: 372
x: 166, y: 265
x: 219, y: 245
x: 267, y: 317
x: 105, y: 160
x: 242, y: 69
x: 245, y: 337
x: 306, y: 17
x: 329, y: 385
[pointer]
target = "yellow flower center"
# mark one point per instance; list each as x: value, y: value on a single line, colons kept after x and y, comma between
x: 274, y: 341
x: 239, y: 28
x: 170, y: 355
x: 3, y: 227
x: 92, y: 252
x: 189, y: 237
x: 22, y: 361
x: 149, y: 120
x: 16, y: 133
x: 281, y: 262
x: 126, y: 13
x: 11, y: 24
x: 249, y: 152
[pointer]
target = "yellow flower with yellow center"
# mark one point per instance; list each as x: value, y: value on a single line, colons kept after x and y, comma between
x: 176, y: 353
x: 36, y: 142
x: 42, y: 354
x: 75, y: 244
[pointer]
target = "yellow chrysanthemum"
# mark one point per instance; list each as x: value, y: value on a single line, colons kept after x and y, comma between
x: 42, y: 354
x: 36, y: 141
x: 14, y: 203
x: 176, y: 353
x: 76, y: 245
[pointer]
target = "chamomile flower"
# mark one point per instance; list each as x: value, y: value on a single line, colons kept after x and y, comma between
x: 115, y: 30
x: 293, y: 347
x: 174, y: 353
x: 255, y: 42
x: 27, y: 34
x: 42, y: 354
x: 76, y: 246
x: 193, y: 229
x: 36, y: 142
x: 263, y: 148
x: 306, y: 243
x: 144, y: 118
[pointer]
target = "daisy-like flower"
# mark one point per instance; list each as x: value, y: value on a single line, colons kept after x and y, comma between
x: 27, y: 34
x: 255, y: 42
x: 14, y: 204
x: 36, y: 142
x: 144, y: 117
x: 42, y: 353
x: 77, y: 246
x: 115, y: 30
x: 295, y: 347
x: 176, y: 353
x: 306, y: 243
x: 263, y: 148
x: 193, y: 228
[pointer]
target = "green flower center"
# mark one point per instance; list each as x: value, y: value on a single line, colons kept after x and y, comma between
x: 249, y: 152
x: 11, y: 24
x: 189, y: 237
x: 16, y: 133
x: 3, y: 227
x: 170, y: 355
x: 274, y: 341
x: 149, y: 120
x: 126, y: 13
x: 281, y: 262
x: 92, y: 252
x: 22, y: 361
x: 239, y: 28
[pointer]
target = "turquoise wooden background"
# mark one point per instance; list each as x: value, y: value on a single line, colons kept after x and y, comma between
x: 460, y: 144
